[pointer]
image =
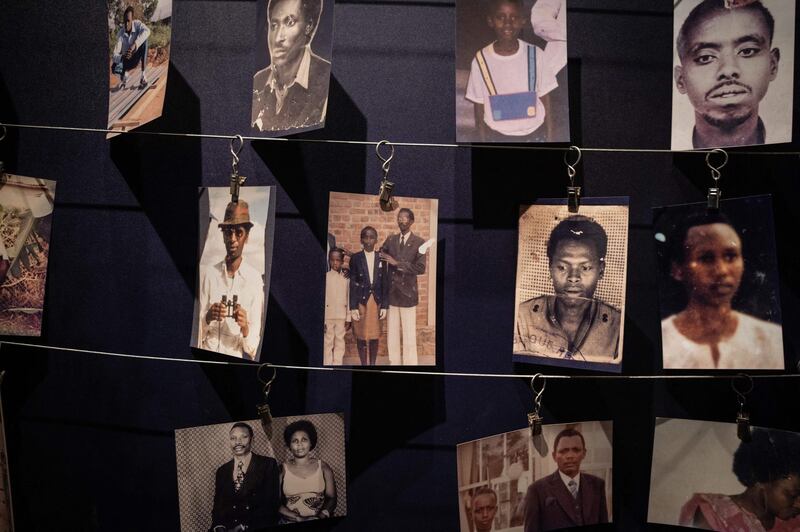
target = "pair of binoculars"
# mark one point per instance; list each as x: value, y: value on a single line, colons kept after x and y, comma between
x: 230, y: 306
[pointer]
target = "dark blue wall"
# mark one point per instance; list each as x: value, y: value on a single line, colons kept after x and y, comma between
x: 90, y: 438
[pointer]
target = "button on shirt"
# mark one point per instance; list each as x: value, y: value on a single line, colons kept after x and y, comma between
x: 226, y: 336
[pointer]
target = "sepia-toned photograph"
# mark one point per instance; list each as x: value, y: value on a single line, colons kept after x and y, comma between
x: 26, y: 218
x: 234, y: 270
x: 508, y: 482
x: 733, y: 73
x: 718, y: 286
x: 234, y: 477
x: 294, y: 43
x: 570, y: 294
x: 380, y: 285
x: 703, y: 476
x: 511, y: 71
x: 139, y: 36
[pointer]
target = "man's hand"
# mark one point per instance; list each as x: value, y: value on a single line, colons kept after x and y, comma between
x: 382, y: 314
x: 347, y: 325
x: 215, y: 313
x: 388, y: 258
x: 131, y: 51
x: 240, y: 315
x: 355, y: 315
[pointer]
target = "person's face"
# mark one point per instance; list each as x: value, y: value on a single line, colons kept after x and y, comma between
x: 368, y: 240
x: 336, y: 261
x: 235, y: 237
x: 713, y: 265
x: 300, y: 444
x: 728, y: 67
x: 782, y: 497
x: 569, y: 454
x: 484, y: 506
x: 575, y: 269
x: 404, y: 221
x: 240, y: 441
x: 506, y: 21
x: 128, y: 21
x: 289, y: 31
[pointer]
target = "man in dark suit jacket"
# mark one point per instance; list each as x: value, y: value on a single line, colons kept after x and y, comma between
x: 402, y: 254
x: 247, y: 488
x: 362, y: 286
x: 567, y: 498
x: 292, y: 92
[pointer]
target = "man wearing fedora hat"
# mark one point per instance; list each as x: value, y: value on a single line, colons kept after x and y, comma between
x: 232, y: 292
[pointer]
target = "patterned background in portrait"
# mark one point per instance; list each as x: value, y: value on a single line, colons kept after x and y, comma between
x: 201, y: 450
x: 535, y: 224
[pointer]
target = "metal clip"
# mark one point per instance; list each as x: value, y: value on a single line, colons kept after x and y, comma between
x: 385, y: 193
x: 715, y: 193
x: 573, y: 192
x: 534, y: 418
x: 263, y: 409
x: 236, y: 180
x: 742, y: 417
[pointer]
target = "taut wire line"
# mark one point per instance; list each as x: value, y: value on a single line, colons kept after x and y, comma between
x: 256, y: 366
x: 375, y: 143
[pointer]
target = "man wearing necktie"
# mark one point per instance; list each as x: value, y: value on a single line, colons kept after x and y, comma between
x: 401, y: 253
x: 568, y: 497
x: 247, y: 491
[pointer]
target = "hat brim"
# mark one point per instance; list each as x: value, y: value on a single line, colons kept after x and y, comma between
x: 249, y: 225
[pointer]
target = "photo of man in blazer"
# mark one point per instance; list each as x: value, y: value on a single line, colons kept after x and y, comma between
x: 568, y: 497
x: 246, y: 488
x: 405, y: 262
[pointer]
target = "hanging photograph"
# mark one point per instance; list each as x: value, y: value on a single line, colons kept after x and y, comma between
x: 233, y: 274
x: 380, y: 285
x: 570, y: 293
x: 704, y: 477
x: 235, y: 477
x: 139, y: 35
x: 511, y: 71
x: 294, y: 42
x: 26, y: 217
x: 718, y: 286
x: 733, y: 73
x: 506, y: 482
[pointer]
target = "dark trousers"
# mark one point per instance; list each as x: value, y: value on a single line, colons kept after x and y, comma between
x: 367, y: 351
x: 137, y: 57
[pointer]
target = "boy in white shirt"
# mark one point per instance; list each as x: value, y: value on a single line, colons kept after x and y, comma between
x: 337, y: 315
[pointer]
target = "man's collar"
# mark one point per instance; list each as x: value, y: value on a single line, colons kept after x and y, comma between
x: 761, y: 136
x: 566, y: 478
x: 246, y: 459
x: 301, y: 78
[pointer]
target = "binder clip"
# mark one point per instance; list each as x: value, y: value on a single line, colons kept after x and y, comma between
x: 385, y: 198
x: 236, y: 180
x: 263, y: 409
x: 573, y: 192
x: 534, y: 418
x: 715, y: 193
x: 742, y: 417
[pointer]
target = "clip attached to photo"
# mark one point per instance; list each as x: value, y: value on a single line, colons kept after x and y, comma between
x: 236, y: 180
x: 385, y: 198
x: 742, y: 417
x: 534, y: 418
x: 715, y: 193
x: 573, y: 192
x: 263, y: 409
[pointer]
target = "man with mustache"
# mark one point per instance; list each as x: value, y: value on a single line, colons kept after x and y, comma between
x: 706, y: 258
x: 571, y: 324
x: 292, y: 92
x: 726, y: 65
x: 232, y: 327
x: 246, y: 488
x: 569, y: 497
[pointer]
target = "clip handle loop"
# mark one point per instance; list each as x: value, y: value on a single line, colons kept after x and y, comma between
x: 573, y: 192
x: 714, y: 192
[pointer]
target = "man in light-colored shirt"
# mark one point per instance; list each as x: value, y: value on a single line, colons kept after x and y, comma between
x: 232, y: 293
x: 131, y: 48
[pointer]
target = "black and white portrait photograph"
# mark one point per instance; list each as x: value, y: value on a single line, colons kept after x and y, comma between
x: 718, y: 286
x: 380, y: 283
x: 232, y: 477
x: 570, y: 293
x: 733, y: 73
x: 234, y: 270
x: 294, y: 41
x: 511, y: 71
x: 703, y: 476
x: 508, y: 482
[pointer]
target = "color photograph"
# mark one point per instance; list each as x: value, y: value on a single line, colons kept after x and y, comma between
x: 571, y: 273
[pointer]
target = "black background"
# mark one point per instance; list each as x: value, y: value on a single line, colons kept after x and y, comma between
x: 90, y: 438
